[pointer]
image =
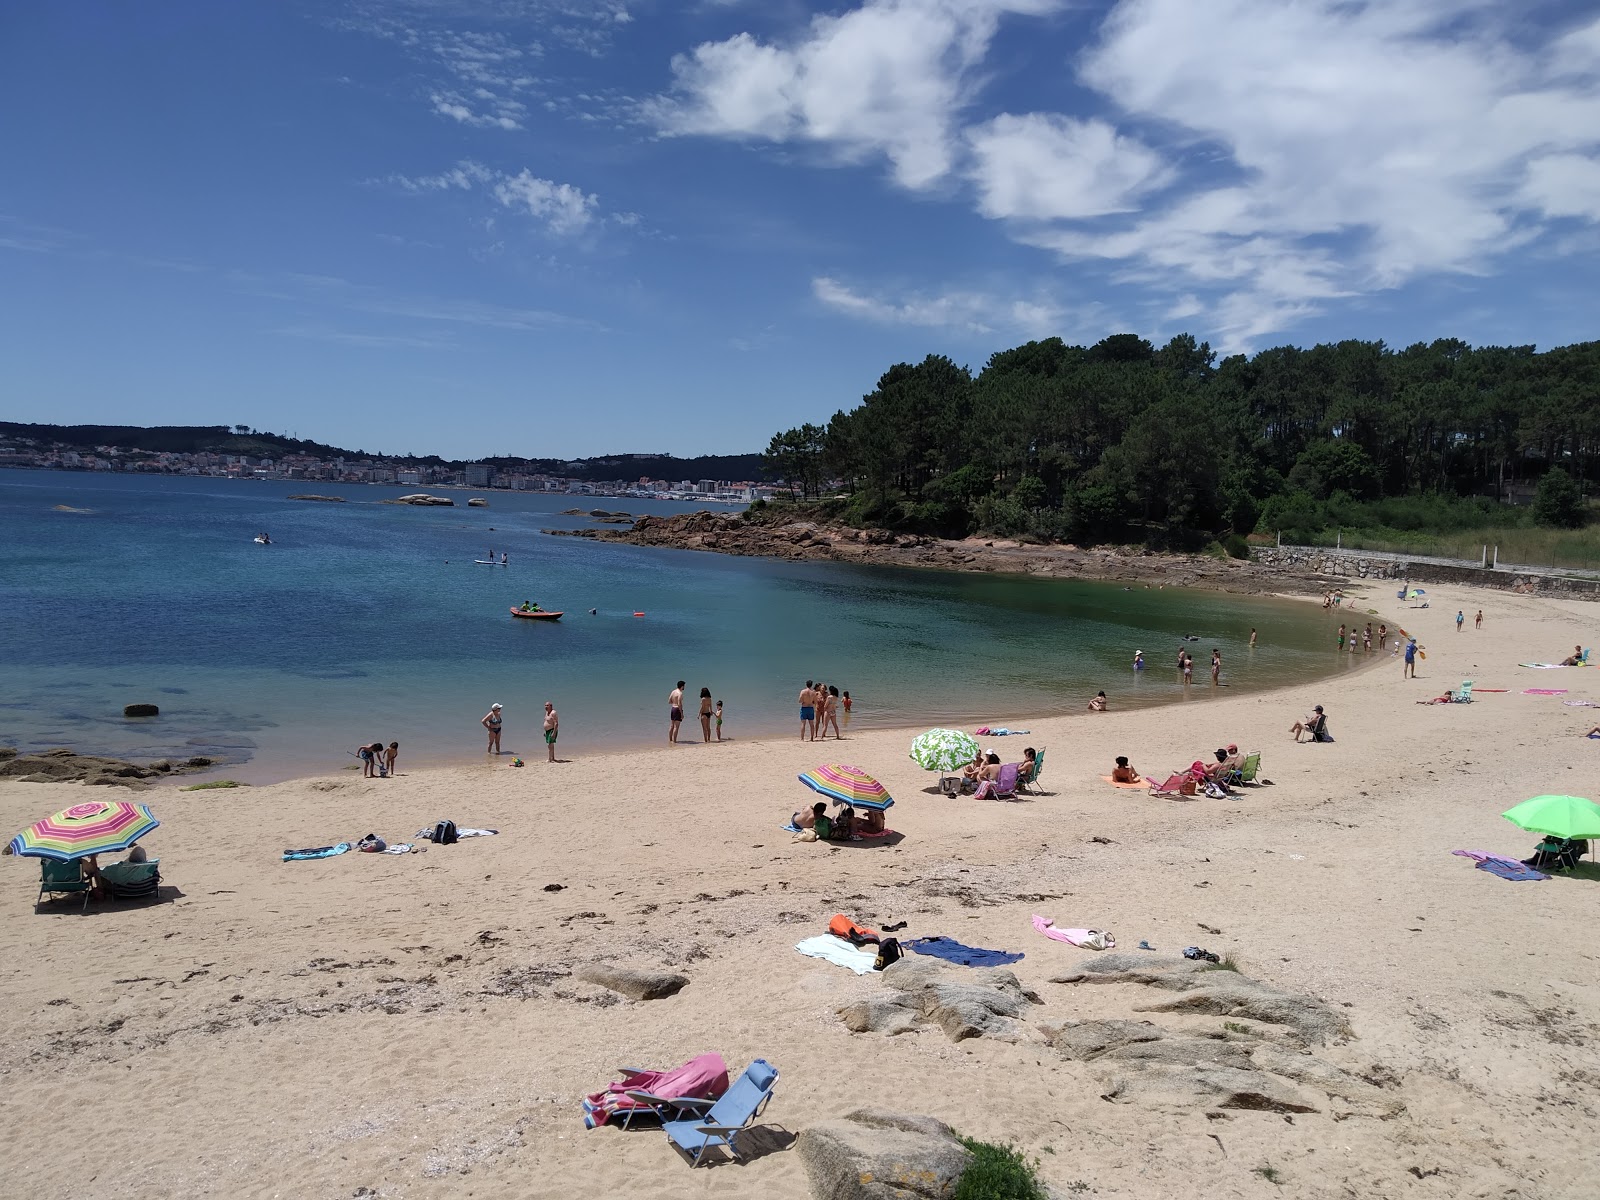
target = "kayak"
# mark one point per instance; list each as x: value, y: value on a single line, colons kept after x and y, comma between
x: 536, y: 616
x: 489, y: 562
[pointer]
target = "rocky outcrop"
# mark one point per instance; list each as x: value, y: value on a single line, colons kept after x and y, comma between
x: 67, y: 766
x: 423, y: 499
x: 876, y: 1154
x: 323, y: 499
x: 963, y: 1002
x: 635, y: 984
x: 141, y: 710
x: 772, y: 537
x: 1203, y: 988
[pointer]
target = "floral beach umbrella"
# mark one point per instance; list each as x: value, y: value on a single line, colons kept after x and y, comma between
x: 1559, y: 816
x: 943, y: 749
x: 848, y: 785
x: 93, y: 827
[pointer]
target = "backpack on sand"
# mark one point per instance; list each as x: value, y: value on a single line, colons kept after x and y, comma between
x: 444, y: 834
x: 888, y: 952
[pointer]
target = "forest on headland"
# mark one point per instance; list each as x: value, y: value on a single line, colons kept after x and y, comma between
x: 1126, y: 442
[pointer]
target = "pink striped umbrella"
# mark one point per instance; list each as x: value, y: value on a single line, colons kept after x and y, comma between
x: 848, y: 785
x: 93, y: 827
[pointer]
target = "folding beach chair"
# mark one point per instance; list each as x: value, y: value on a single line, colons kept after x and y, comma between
x: 132, y: 880
x: 1030, y: 785
x: 1005, y: 784
x: 1249, y: 769
x: 721, y: 1124
x: 64, y: 877
x: 1464, y: 695
x: 665, y: 1095
x: 1176, y: 787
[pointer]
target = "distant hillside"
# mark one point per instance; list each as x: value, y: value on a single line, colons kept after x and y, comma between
x: 238, y: 439
x: 174, y: 439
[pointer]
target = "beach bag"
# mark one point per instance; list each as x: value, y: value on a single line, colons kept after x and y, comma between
x: 444, y: 834
x: 1214, y: 790
x: 888, y: 952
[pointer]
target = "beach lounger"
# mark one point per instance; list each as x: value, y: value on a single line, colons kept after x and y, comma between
x: 63, y: 877
x: 721, y: 1124
x: 1032, y: 780
x: 132, y: 880
x: 1174, y: 786
x: 1248, y: 771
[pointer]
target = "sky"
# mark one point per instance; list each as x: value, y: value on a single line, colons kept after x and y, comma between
x: 580, y: 227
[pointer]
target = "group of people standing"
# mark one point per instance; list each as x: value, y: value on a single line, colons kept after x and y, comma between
x: 710, y: 712
x: 1186, y: 664
x: 494, y: 721
x: 819, y: 710
x: 1364, y: 636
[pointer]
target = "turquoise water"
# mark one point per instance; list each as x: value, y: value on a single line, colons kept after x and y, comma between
x: 367, y: 621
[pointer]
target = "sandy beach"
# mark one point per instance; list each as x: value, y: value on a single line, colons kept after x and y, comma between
x: 412, y: 1026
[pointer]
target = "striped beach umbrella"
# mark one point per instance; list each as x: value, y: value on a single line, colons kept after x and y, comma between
x: 943, y: 749
x: 93, y: 827
x: 848, y: 785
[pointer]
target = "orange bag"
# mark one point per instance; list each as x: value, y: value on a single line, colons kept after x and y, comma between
x: 843, y: 927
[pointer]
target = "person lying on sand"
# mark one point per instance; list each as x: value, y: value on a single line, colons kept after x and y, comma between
x: 808, y: 820
x: 1123, y: 772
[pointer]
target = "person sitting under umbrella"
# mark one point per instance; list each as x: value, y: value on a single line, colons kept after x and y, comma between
x: 1557, y: 853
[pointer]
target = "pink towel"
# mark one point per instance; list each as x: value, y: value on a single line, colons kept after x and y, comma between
x: 705, y: 1077
x: 1544, y: 691
x: 1084, y: 939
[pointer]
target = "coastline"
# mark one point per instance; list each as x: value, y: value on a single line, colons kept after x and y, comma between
x: 797, y: 541
x: 1467, y: 996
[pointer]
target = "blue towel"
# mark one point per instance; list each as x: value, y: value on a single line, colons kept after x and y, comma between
x: 1514, y: 871
x: 791, y: 827
x: 316, y: 852
x: 953, y: 951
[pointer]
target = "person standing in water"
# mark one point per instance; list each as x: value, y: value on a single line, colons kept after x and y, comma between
x: 675, y: 712
x: 1252, y: 639
x: 833, y: 714
x: 492, y: 722
x: 808, y: 712
x: 1216, y: 666
x: 1138, y: 660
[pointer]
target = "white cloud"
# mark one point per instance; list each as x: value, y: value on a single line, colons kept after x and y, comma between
x: 502, y: 113
x: 969, y: 311
x: 563, y: 210
x: 1564, y: 185
x: 887, y: 78
x: 1043, y: 165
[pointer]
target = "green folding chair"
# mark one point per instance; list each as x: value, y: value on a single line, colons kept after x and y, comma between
x: 63, y: 877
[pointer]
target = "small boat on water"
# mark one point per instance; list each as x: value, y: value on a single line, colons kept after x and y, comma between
x: 535, y: 614
x: 489, y: 562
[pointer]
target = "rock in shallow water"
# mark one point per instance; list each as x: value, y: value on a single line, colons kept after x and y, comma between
x: 140, y: 710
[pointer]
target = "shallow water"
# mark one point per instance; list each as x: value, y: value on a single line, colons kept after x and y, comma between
x: 366, y: 621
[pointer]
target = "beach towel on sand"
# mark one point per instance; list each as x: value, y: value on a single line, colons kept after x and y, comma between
x: 1544, y: 691
x: 836, y: 950
x: 1084, y: 939
x: 963, y: 956
x: 315, y: 852
x: 1140, y: 786
x: 705, y: 1077
x: 1498, y: 864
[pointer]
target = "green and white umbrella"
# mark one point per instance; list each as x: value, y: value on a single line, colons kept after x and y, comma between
x: 943, y: 749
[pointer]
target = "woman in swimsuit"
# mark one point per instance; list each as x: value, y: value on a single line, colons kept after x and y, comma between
x: 833, y: 713
x: 706, y: 707
x: 492, y: 722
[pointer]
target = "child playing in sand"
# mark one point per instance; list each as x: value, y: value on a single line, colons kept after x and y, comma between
x: 389, y: 756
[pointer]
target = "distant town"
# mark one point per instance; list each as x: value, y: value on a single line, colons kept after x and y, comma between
x: 502, y: 474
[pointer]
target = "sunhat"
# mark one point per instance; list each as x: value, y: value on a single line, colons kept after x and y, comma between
x: 495, y: 706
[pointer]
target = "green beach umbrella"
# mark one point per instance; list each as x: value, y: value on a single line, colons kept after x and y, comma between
x: 943, y: 749
x: 1559, y: 816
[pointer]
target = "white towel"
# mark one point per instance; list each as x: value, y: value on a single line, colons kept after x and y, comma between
x: 837, y: 950
x: 466, y: 833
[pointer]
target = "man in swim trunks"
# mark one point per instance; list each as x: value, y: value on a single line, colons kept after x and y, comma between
x: 808, y: 711
x: 552, y: 726
x: 675, y: 712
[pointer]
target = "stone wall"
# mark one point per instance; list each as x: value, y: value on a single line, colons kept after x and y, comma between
x: 1354, y: 564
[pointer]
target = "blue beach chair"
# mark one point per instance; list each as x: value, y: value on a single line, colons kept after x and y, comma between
x: 720, y: 1125
x: 64, y: 877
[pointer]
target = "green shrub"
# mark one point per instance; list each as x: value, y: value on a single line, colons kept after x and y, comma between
x: 215, y: 783
x: 998, y: 1173
x: 1236, y: 546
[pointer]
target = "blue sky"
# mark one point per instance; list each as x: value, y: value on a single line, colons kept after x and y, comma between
x: 558, y: 227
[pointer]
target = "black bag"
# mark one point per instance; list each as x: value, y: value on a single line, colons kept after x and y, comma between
x: 444, y: 834
x: 888, y: 952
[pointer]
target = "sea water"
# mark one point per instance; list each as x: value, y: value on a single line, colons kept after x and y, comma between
x: 365, y: 621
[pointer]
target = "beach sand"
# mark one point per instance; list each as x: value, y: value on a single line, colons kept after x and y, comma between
x: 409, y: 1026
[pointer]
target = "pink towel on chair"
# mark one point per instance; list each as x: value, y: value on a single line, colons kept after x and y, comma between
x: 705, y: 1077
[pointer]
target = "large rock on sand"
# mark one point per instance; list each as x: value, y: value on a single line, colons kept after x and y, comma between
x: 635, y: 984
x: 875, y: 1154
x: 963, y: 1002
x: 141, y: 710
